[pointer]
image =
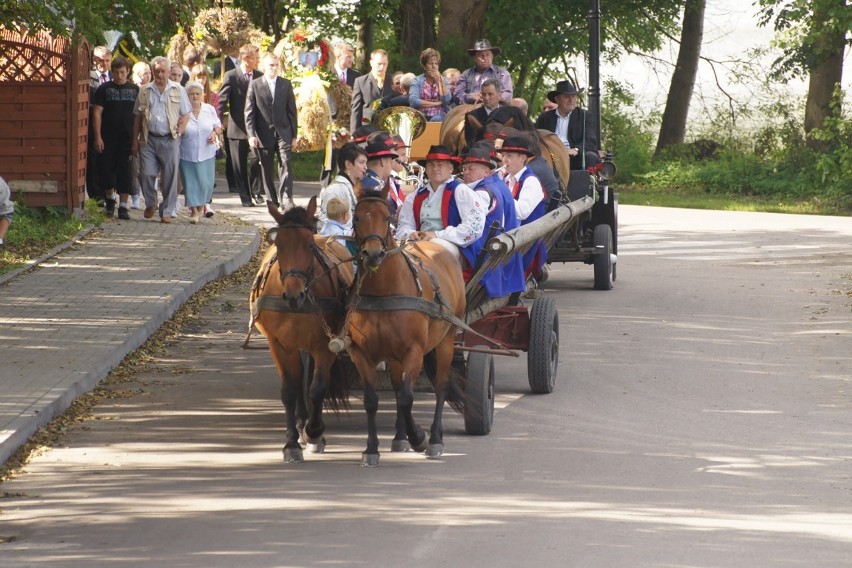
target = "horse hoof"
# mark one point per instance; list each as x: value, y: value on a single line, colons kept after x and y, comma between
x: 400, y: 446
x: 434, y: 451
x: 293, y: 455
x: 317, y: 447
x: 369, y: 460
x: 422, y: 445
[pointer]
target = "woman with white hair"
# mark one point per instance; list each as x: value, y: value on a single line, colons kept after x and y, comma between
x: 198, y: 151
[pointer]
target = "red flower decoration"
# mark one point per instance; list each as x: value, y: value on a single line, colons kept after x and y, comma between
x: 298, y: 36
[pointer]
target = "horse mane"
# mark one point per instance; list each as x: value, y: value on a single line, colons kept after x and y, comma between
x: 370, y: 193
x: 506, y: 113
x: 297, y: 216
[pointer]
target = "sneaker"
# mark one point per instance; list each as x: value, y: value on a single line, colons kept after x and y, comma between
x: 109, y: 207
x: 208, y: 211
x: 136, y: 202
x: 123, y: 213
x: 149, y: 212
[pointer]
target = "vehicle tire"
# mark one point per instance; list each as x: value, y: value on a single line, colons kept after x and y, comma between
x: 603, y: 258
x: 614, y: 233
x: 543, y: 352
x: 479, y: 391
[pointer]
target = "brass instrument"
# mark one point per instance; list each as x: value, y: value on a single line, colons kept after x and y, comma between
x: 408, y: 124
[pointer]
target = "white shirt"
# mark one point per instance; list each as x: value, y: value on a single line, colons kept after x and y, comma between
x: 194, y: 146
x: 271, y: 83
x: 530, y: 196
x: 562, y: 128
x: 471, y: 211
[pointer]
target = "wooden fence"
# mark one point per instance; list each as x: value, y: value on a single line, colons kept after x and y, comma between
x: 44, y: 118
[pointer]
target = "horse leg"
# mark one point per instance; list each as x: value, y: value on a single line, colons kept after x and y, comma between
x: 315, y: 426
x: 370, y: 457
x: 405, y: 404
x: 443, y: 360
x: 400, y: 440
x: 290, y: 370
x: 304, y: 381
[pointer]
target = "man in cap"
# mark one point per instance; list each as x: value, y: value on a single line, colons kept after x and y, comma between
x: 468, y: 86
x: 478, y: 173
x: 444, y: 210
x: 572, y: 124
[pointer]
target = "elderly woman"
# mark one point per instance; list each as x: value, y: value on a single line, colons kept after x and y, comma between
x: 198, y: 151
x: 430, y: 92
x: 199, y: 73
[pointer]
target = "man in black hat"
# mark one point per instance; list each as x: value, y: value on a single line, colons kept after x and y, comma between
x: 572, y: 124
x: 454, y: 222
x: 468, y: 86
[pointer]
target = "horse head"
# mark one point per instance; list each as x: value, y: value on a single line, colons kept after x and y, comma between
x: 372, y: 228
x: 294, y: 241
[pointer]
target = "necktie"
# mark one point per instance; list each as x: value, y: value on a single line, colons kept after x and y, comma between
x: 248, y: 77
x: 343, y: 77
x: 103, y: 78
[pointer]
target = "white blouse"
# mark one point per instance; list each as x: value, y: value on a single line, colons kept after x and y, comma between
x: 529, y: 197
x: 194, y: 146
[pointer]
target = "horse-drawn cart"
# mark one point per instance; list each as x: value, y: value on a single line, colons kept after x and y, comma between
x: 508, y: 323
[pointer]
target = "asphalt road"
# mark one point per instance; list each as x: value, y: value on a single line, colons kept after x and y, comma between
x: 701, y: 418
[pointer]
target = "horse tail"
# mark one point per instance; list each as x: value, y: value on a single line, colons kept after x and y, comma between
x: 337, y: 395
x: 456, y: 396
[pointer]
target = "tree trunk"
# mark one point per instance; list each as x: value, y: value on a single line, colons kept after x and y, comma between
x: 415, y: 32
x: 364, y: 44
x: 462, y: 23
x: 673, y: 127
x: 824, y: 75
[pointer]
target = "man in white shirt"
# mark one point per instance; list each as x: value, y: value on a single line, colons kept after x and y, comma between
x: 572, y: 124
x: 458, y: 221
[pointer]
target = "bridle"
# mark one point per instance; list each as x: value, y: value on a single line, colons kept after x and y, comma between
x: 307, y: 276
x: 383, y: 239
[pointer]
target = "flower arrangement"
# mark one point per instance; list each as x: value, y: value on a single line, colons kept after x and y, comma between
x: 304, y: 52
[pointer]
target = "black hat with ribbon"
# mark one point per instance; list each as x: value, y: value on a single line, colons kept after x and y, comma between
x: 438, y: 153
x: 380, y: 145
x: 518, y: 144
x: 563, y: 88
x: 480, y: 154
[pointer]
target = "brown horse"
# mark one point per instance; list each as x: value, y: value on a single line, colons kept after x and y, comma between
x: 552, y: 149
x: 294, y: 306
x: 398, y: 299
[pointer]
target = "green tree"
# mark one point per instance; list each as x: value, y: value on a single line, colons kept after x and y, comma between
x: 813, y: 35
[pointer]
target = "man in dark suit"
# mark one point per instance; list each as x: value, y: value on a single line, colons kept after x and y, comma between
x: 572, y: 124
x: 232, y: 100
x: 476, y: 119
x: 272, y: 127
x: 370, y: 87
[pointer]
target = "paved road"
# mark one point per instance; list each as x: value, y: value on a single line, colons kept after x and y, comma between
x: 701, y: 418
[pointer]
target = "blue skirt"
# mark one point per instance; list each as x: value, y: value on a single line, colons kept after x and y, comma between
x: 198, y: 179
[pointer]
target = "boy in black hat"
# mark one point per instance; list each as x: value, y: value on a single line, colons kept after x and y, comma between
x: 530, y: 197
x: 572, y: 124
x: 470, y: 81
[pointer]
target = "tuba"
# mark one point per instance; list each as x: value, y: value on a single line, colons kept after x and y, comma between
x: 409, y: 124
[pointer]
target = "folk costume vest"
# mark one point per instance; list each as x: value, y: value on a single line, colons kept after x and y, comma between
x: 507, y: 278
x: 535, y: 258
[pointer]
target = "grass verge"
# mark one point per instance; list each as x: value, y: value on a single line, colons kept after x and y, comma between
x: 34, y: 232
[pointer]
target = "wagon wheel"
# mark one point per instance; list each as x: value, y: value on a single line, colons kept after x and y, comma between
x: 602, y: 241
x: 614, y: 231
x: 479, y: 391
x: 543, y: 352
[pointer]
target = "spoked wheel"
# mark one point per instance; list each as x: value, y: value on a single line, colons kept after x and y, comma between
x: 543, y: 352
x: 602, y: 241
x: 479, y: 388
